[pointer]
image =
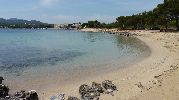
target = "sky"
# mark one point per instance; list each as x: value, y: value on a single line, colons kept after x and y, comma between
x: 69, y: 11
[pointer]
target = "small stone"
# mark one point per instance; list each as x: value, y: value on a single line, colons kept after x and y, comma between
x: 61, y: 97
x: 32, y: 95
x: 72, y: 98
x: 21, y: 94
x: 53, y: 98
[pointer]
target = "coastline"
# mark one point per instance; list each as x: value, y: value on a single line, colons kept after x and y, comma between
x: 142, y: 80
x: 139, y: 81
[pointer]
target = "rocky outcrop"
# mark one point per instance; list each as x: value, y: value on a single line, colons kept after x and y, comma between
x: 87, y: 92
x: 109, y: 87
x: 4, y: 90
x: 93, y: 92
x: 22, y: 95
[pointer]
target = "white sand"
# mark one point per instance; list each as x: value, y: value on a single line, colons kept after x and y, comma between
x: 165, y: 53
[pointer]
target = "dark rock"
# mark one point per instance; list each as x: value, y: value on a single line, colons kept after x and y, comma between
x: 4, y: 90
x: 127, y: 34
x: 98, y: 87
x: 21, y: 94
x: 88, y: 93
x: 90, y: 96
x: 1, y: 79
x: 84, y: 89
x: 109, y: 87
x: 32, y: 95
x: 72, y: 98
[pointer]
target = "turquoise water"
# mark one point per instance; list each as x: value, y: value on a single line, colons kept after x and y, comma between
x: 25, y: 54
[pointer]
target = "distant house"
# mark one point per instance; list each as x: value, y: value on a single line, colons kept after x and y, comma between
x: 57, y: 26
x: 67, y: 26
x: 76, y: 25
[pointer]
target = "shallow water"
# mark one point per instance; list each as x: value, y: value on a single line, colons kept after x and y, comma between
x: 39, y: 55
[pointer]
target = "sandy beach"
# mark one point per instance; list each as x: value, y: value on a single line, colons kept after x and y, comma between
x: 154, y: 78
x: 89, y: 50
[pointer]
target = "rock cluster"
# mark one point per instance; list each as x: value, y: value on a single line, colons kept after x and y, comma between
x: 87, y: 92
x: 22, y: 95
x: 109, y: 87
x: 90, y: 92
x: 93, y: 92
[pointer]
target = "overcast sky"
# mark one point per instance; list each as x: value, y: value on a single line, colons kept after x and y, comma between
x: 68, y: 11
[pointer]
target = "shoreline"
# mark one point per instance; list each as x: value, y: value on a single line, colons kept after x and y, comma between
x: 140, y: 80
x: 153, y: 73
x: 135, y: 81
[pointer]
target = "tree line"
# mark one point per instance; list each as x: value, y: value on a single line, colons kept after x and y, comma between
x: 164, y: 16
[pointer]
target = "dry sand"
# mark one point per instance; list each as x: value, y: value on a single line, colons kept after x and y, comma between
x: 154, y: 78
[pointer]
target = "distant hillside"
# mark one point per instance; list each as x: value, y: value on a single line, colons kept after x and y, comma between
x: 20, y: 23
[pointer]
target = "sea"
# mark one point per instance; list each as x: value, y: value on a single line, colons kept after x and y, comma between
x: 36, y: 59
